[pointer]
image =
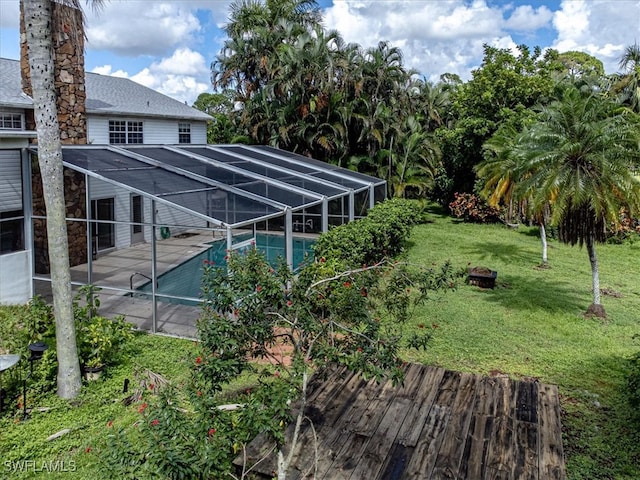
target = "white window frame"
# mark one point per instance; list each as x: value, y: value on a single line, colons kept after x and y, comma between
x: 184, y: 133
x: 128, y: 130
x: 11, y: 121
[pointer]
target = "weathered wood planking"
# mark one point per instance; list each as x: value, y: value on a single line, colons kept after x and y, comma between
x: 551, y: 458
x: 380, y: 445
x: 480, y: 428
x: 341, y: 441
x: 500, y: 456
x: 349, y: 397
x: 437, y: 424
x: 433, y: 432
x: 413, y: 423
x: 525, y: 466
x: 452, y: 449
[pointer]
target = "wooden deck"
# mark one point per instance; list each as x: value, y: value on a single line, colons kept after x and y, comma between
x: 438, y: 425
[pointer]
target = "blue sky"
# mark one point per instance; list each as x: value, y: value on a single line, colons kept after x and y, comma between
x: 169, y: 46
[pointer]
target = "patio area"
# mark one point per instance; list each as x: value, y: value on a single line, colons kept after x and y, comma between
x: 118, y: 271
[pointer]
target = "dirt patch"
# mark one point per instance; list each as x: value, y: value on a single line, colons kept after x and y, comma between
x: 280, y: 353
x: 596, y: 311
x: 610, y: 293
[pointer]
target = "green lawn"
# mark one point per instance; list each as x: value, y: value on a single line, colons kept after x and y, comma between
x: 87, y: 418
x: 531, y: 325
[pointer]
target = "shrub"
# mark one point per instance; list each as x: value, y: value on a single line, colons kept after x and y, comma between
x: 100, y: 340
x: 382, y: 233
x: 323, y: 314
x: 473, y: 209
x: 20, y: 326
x: 627, y: 230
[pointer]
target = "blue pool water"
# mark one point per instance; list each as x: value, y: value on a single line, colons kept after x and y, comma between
x: 185, y: 279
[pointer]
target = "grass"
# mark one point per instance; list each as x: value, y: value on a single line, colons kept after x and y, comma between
x: 99, y: 403
x: 532, y: 325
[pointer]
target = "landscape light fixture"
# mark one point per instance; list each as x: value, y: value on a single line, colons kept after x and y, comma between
x: 37, y: 349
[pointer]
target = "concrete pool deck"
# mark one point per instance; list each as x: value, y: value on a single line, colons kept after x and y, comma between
x: 117, y: 272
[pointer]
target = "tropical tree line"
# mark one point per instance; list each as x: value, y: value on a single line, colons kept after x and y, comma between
x: 281, y: 79
x: 547, y: 137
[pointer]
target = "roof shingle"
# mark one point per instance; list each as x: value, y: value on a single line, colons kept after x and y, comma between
x: 106, y: 95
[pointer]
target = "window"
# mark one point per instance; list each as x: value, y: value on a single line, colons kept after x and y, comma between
x: 10, y: 121
x: 125, y: 131
x: 184, y: 133
x: 103, y: 233
x: 11, y: 231
x: 11, y: 213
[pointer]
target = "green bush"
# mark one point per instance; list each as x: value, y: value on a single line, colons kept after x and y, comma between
x: 382, y: 233
x: 322, y: 315
x: 20, y: 326
x: 100, y: 340
x: 626, y: 230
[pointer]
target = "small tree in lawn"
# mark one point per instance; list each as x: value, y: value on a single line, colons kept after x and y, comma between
x: 327, y: 314
x: 577, y: 157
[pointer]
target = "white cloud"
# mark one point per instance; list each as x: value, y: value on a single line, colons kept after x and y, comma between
x: 9, y: 13
x: 438, y: 36
x: 108, y: 70
x: 435, y: 37
x: 526, y: 18
x: 169, y: 45
x: 136, y: 28
x: 183, y: 60
x: 600, y: 28
x: 183, y: 75
x: 464, y: 21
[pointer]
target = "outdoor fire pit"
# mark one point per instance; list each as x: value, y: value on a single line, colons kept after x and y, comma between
x: 482, y: 277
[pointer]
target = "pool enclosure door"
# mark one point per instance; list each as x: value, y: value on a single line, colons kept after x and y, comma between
x: 137, y: 219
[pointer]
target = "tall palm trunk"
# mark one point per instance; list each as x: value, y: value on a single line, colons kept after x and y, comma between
x: 543, y: 239
x: 38, y: 21
x: 596, y: 307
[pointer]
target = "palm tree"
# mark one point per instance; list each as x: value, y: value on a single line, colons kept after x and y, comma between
x: 411, y: 161
x: 256, y: 30
x: 435, y: 102
x: 629, y: 83
x: 498, y: 169
x: 500, y: 173
x: 577, y: 156
x: 42, y: 20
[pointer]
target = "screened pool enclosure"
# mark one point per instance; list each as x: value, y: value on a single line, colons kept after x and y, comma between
x: 143, y: 213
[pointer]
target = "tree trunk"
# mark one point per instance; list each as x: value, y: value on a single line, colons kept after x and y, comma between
x: 543, y: 239
x: 283, y: 464
x: 595, y: 309
x: 38, y: 22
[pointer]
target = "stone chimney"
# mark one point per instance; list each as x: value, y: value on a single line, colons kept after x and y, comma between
x: 68, y: 58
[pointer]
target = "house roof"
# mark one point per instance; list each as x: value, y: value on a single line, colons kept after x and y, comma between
x: 106, y: 95
x: 11, y: 94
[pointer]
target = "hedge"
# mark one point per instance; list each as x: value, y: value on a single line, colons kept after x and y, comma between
x: 382, y: 233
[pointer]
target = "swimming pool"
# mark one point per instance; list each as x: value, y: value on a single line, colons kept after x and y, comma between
x: 185, y: 279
